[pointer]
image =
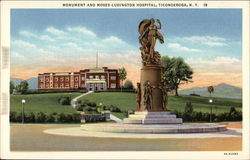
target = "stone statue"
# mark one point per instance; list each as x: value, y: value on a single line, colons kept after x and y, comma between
x: 138, y: 96
x: 148, y: 36
x: 148, y: 102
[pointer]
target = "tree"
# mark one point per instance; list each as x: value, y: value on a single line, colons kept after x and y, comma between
x: 12, y: 87
x: 122, y: 75
x: 210, y: 89
x: 128, y: 84
x: 175, y: 72
x: 23, y: 87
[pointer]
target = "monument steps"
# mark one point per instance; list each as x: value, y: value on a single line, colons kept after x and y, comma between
x: 152, y: 118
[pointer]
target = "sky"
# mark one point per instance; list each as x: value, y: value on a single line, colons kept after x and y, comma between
x: 59, y: 40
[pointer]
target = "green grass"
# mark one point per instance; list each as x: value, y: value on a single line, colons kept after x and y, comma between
x: 126, y: 101
x: 201, y: 104
x: 46, y: 103
x: 123, y: 100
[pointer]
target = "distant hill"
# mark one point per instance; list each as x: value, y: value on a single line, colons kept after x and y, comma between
x: 222, y: 90
x: 16, y: 81
x: 32, y: 82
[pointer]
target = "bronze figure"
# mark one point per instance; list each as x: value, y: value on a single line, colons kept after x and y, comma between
x: 148, y: 36
x: 138, y: 96
x: 148, y: 95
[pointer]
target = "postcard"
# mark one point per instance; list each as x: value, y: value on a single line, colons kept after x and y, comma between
x: 124, y: 80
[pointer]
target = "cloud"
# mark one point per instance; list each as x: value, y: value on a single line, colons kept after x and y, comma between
x: 21, y: 43
x: 218, y: 64
x: 46, y: 38
x: 27, y: 34
x: 215, y: 44
x: 203, y: 38
x: 113, y: 39
x: 206, y: 40
x: 182, y: 48
x: 82, y: 30
x: 55, y: 31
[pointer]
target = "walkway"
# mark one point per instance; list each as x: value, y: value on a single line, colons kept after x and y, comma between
x: 73, y: 101
x: 114, y: 118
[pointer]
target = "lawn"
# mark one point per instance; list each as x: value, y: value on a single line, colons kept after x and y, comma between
x: 46, y: 103
x: 126, y: 101
x: 201, y: 104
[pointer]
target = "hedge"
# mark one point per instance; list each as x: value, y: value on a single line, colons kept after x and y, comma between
x: 41, y: 117
x: 192, y: 116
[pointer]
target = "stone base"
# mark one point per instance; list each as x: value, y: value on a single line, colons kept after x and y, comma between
x: 152, y: 118
x: 154, y: 128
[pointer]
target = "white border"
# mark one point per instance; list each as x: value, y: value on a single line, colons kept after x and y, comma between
x: 5, y: 133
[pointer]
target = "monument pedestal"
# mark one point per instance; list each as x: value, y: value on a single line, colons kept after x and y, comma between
x: 152, y: 118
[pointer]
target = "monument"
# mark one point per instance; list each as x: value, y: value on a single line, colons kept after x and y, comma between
x: 151, y: 98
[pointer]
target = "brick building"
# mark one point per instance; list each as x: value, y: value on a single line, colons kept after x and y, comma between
x: 90, y: 79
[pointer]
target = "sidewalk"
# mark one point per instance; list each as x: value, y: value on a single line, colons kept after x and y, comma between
x: 73, y: 101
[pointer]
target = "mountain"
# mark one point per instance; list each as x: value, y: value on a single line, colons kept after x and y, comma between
x: 16, y: 81
x: 32, y: 82
x: 222, y: 90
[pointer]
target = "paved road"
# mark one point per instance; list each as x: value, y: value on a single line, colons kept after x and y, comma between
x: 73, y: 101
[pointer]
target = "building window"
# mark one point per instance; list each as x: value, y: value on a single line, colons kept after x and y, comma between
x: 113, y: 77
x: 56, y: 85
x: 47, y: 85
x: 112, y: 85
x: 61, y: 85
x: 67, y: 85
x: 96, y: 77
x: 61, y: 79
x: 90, y: 77
x: 76, y: 78
x: 51, y: 86
x: 112, y: 72
x: 47, y: 79
x: 41, y: 79
x: 67, y: 79
x: 56, y: 79
x: 76, y: 85
x: 83, y: 85
x: 41, y: 86
x: 83, y: 78
x: 102, y: 77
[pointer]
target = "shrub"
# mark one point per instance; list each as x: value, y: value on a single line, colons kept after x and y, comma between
x: 13, y: 117
x: 41, y: 117
x: 68, y: 118
x: 61, y: 118
x: 19, y: 117
x: 189, y: 108
x: 30, y: 117
x: 76, y: 117
x: 50, y: 118
x: 64, y: 100
x: 114, y: 109
x: 79, y: 108
x: 93, y: 104
x: 128, y: 84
